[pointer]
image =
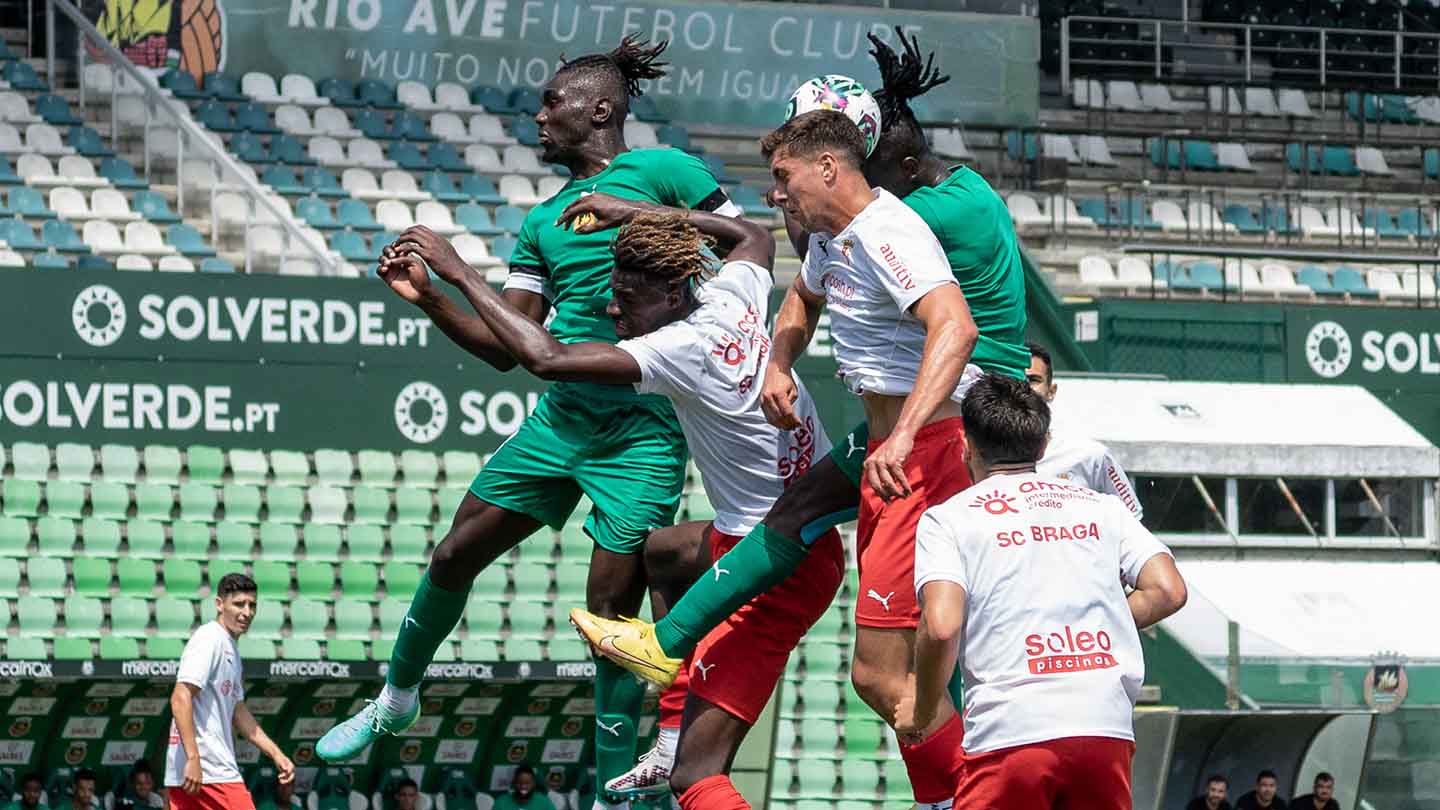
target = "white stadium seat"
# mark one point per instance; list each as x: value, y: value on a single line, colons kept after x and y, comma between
x: 1125, y: 96
x: 547, y: 187
x: 1094, y: 150
x: 394, y: 215
x: 950, y: 142
x: 1260, y: 101
x: 79, y: 171
x: 298, y: 89
x: 486, y: 128
x: 69, y: 204
x: 361, y: 184
x: 523, y: 160
x: 1087, y: 94
x: 1280, y: 279
x: 107, y: 203
x: 474, y: 251
x: 145, y: 239
x: 260, y: 87
x: 1169, y: 215
x: 334, y: 122
x: 483, y: 158
x: 1372, y: 161
x: 1066, y: 213
x: 638, y: 135
x: 447, y: 126
x: 1385, y: 281
x: 1059, y: 147
x: 1025, y: 212
x: 1233, y: 156
x: 1294, y: 103
x: 517, y: 190
x: 176, y: 264
x: 102, y: 236
x: 455, y: 98
x: 1157, y: 97
x: 294, y: 120
x: 436, y: 217
x: 130, y: 261
x: 1219, y: 97
x: 399, y: 184
x: 416, y: 96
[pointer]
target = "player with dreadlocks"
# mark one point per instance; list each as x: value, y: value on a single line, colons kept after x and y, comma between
x: 703, y: 346
x: 974, y: 229
x: 622, y: 449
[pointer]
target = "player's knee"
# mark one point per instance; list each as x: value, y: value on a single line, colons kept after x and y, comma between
x: 686, y: 774
x: 873, y: 685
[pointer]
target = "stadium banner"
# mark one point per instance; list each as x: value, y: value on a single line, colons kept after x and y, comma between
x: 730, y: 62
x: 1364, y: 346
x: 288, y: 670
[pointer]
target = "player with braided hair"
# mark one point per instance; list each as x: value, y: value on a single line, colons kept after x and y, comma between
x: 621, y: 448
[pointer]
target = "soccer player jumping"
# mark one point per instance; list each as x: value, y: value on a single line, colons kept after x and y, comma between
x: 622, y: 449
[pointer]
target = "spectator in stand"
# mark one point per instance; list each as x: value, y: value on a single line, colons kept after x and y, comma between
x: 522, y: 795
x: 1217, y: 790
x: 1264, y: 796
x: 406, y: 795
x: 284, y: 795
x: 141, y: 795
x: 83, y: 796
x: 32, y: 787
x: 1323, y: 797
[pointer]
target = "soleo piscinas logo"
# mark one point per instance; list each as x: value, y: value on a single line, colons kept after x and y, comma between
x: 1328, y: 349
x: 99, y: 315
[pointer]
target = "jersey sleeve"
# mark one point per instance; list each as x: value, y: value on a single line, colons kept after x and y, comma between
x: 1111, y: 479
x: 684, y: 180
x: 1137, y: 544
x: 748, y: 281
x: 937, y: 552
x: 811, y: 269
x: 198, y: 661
x: 908, y: 263
x: 527, y: 269
x: 670, y: 359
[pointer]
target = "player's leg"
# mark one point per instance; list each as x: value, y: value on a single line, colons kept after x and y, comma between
x: 712, y: 736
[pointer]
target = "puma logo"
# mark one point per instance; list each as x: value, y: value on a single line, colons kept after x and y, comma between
x: 719, y: 572
x: 883, y: 600
x: 850, y: 440
x: 615, y: 729
x: 704, y: 670
x: 409, y: 622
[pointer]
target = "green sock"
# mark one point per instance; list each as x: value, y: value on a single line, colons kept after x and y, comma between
x: 433, y: 613
x: 756, y: 564
x: 618, y: 696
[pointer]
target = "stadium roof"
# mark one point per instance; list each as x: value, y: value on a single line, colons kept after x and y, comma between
x: 1244, y: 429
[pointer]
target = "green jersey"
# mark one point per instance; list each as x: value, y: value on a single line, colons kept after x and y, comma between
x: 974, y: 227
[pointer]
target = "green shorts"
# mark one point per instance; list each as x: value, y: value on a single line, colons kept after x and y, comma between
x: 627, y: 456
x: 849, y: 455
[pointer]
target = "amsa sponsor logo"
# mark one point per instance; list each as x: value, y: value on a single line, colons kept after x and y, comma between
x: 16, y: 752
x: 311, y: 728
x: 145, y: 707
x: 26, y: 669
x: 479, y: 705
x: 150, y: 669
x: 565, y: 752
x: 132, y: 406
x: 525, y: 726
x: 309, y: 669
x: 32, y: 705
x: 84, y: 728
x: 456, y: 752
x: 1066, y: 650
x: 122, y: 752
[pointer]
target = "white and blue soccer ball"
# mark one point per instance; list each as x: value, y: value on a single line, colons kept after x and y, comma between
x: 843, y: 94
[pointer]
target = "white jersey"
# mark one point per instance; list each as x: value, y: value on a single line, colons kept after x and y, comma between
x: 1050, y: 648
x: 1090, y: 463
x: 211, y: 661
x: 711, y: 366
x: 871, y: 273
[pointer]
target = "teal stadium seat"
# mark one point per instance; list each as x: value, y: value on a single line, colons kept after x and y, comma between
x: 21, y: 498
x: 284, y: 504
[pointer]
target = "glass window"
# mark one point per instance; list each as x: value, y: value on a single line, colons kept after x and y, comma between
x: 1399, y: 501
x: 1174, y: 505
x: 1265, y: 509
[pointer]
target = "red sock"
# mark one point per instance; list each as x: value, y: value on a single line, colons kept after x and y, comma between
x: 672, y: 700
x: 934, y: 763
x: 713, y: 793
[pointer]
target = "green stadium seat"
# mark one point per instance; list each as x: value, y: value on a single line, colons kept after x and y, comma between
x: 352, y: 620
x: 358, y: 580
x: 23, y: 649
x: 408, y: 543
x: 242, y: 502
x: 327, y: 504
x: 315, y: 580
x: 491, y: 584
x: 823, y: 660
x: 9, y: 583
x: 119, y: 463
x: 71, y: 648
x: 100, y: 538
x: 14, y: 537
x: 233, y: 541
x: 162, y: 464
x: 445, y: 653
x: 897, y: 781
x: 830, y: 624
x: 401, y: 579
x: 55, y: 537
x: 377, y: 468
x: 413, y: 506
x: 115, y: 648
x: 816, y: 777
x: 482, y: 619
x: 860, y: 779
x: 289, y: 467
x: 568, y: 649
x: 392, y: 613
x: 284, y: 504
x: 570, y: 583
x: 137, y: 576
x: 162, y: 648
x: 191, y: 540
x: 308, y: 619
x: 342, y: 649
x: 74, y: 462
x: 254, y: 648
x: 333, y: 467
x: 248, y: 467
x: 129, y: 616
x: 272, y: 578
x: 92, y: 576
x: 217, y: 569
x: 83, y: 616
x: 198, y: 502
x: 31, y: 461
x: 419, y: 468
x: 521, y: 649
x: 154, y: 501
x: 36, y: 615
x: 145, y: 539
x: 300, y: 649
x: 204, y: 464
x: 366, y: 543
x: 863, y: 735
x: 182, y: 578
x: 372, y: 505
x: 538, y: 548
x: 322, y: 543
x: 46, y: 575
x: 65, y: 499
x: 527, y: 619
x: 278, y: 541
x: 817, y: 738
x: 380, y: 650
x: 174, y: 617
x: 269, y: 618
x: 109, y: 500
x: 575, y: 544
x: 461, y: 467
x: 479, y: 649
x: 22, y: 498
x: 698, y: 507
x: 532, y: 581
x: 447, y: 501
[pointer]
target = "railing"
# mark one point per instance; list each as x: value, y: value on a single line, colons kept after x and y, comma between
x: 1323, y: 57
x: 173, y: 116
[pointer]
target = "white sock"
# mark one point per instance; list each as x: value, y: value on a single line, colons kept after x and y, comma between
x: 396, y: 702
x: 942, y: 805
x: 666, y: 743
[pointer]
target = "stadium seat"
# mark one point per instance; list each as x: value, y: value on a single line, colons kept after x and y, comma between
x: 527, y: 619
x: 37, y: 614
x: 100, y: 538
x: 315, y: 580
x: 55, y: 537
x: 233, y: 541
x: 371, y: 504
x: 254, y: 648
x: 327, y: 504
x: 401, y: 579
x: 198, y: 502
x: 272, y: 578
x: 182, y: 578
x: 83, y: 616
x: 145, y: 539
x: 129, y: 617
x: 136, y: 577
x: 174, y: 617
x: 14, y: 537
x: 21, y: 498
x: 92, y: 576
x: 419, y: 468
x: 1291, y: 102
x: 115, y: 648
x: 345, y: 650
x: 408, y: 543
x: 300, y: 649
x: 241, y: 501
x: 64, y: 499
x: 1349, y: 281
x: 359, y: 580
x: 289, y: 467
x: 352, y: 620
x: 284, y: 504
x: 70, y: 648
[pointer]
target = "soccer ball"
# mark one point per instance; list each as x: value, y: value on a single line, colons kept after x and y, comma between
x: 842, y: 93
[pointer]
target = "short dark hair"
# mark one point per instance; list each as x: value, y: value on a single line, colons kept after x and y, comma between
x: 1215, y: 777
x: 811, y: 133
x: 1006, y: 420
x: 33, y: 776
x: 1267, y: 774
x: 1036, y: 350
x: 402, y: 784
x: 519, y: 769
x: 1324, y: 776
x: 235, y: 583
x: 84, y: 773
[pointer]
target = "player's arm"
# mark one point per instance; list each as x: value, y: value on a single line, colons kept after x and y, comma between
x: 740, y: 239
x: 182, y: 707
x: 1159, y: 591
x: 1114, y: 481
x: 937, y: 647
x: 795, y: 325
x: 246, y: 726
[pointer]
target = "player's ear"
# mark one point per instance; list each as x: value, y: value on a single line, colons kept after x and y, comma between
x: 604, y: 110
x: 829, y: 166
x: 911, y: 166
x: 1054, y: 387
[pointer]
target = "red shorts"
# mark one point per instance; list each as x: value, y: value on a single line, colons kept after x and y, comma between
x: 746, y: 653
x: 222, y: 796
x: 1076, y: 773
x: 885, y: 542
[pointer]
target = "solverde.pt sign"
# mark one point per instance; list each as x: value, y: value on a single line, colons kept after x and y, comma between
x: 1365, y: 346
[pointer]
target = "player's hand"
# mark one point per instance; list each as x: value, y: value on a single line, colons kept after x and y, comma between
x: 434, y: 249
x: 407, y: 277
x: 285, y: 769
x: 777, y: 398
x: 885, y: 468
x: 192, y: 776
x: 599, y: 212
